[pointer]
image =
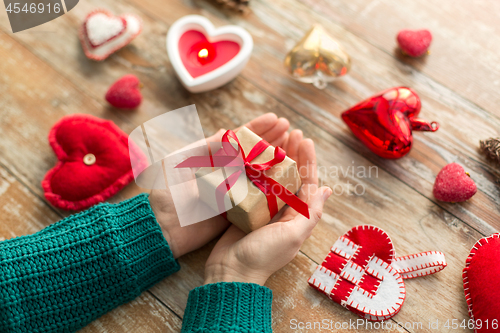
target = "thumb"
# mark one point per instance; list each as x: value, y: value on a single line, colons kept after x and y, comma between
x: 317, y: 198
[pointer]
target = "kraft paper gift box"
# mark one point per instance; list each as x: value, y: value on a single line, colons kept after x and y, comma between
x: 251, y: 211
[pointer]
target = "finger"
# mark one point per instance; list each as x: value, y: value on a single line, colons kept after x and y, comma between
x: 279, y: 142
x: 306, y: 162
x: 302, y: 225
x: 217, y: 136
x: 262, y: 124
x: 277, y: 131
x: 292, y: 145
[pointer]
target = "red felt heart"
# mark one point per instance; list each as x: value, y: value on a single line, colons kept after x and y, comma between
x: 453, y: 184
x: 414, y: 43
x: 125, y: 93
x: 217, y: 54
x: 384, y: 122
x: 362, y: 273
x: 94, y: 162
x: 481, y: 277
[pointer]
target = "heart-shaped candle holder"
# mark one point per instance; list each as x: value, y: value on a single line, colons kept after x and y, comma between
x: 384, y: 122
x: 205, y: 57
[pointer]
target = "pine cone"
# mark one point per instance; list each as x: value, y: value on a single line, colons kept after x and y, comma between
x: 492, y: 148
x: 239, y: 5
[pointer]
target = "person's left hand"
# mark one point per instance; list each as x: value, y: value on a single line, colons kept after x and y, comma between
x: 183, y: 240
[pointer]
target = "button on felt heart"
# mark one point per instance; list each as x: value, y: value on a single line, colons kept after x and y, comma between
x: 384, y: 122
x: 362, y: 273
x: 102, y: 33
x: 94, y: 162
x: 204, y: 57
x: 481, y: 277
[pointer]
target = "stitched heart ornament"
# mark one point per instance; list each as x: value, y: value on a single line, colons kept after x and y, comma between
x: 102, y: 33
x: 205, y: 57
x: 384, y: 122
x: 94, y: 162
x: 363, y: 274
x: 481, y: 277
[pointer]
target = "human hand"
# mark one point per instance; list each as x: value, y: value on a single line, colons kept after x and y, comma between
x: 183, y: 240
x: 253, y: 258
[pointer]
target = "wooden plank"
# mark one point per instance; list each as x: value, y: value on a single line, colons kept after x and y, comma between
x: 24, y: 213
x: 464, y: 51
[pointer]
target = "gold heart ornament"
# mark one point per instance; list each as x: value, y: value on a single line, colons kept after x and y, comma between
x: 317, y: 59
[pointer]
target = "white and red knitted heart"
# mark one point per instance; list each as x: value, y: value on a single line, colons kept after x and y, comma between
x: 362, y: 273
x: 481, y: 277
x: 102, y: 33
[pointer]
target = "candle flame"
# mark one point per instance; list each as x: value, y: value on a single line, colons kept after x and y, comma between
x: 203, y: 53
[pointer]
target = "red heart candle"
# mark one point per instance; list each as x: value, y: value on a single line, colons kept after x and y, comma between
x: 205, y: 57
x: 384, y: 122
x: 199, y: 56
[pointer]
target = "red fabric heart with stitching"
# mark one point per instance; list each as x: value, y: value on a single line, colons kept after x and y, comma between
x: 481, y: 275
x: 94, y: 162
x: 453, y: 184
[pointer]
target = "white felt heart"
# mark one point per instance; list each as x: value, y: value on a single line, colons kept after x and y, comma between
x: 220, y: 75
x: 101, y: 28
x: 102, y: 33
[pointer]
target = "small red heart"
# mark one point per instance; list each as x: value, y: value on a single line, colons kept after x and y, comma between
x: 481, y: 277
x: 94, y: 162
x: 216, y: 55
x: 125, y: 93
x: 453, y: 184
x: 384, y: 122
x: 414, y: 43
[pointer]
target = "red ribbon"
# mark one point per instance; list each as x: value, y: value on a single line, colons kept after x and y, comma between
x: 228, y: 156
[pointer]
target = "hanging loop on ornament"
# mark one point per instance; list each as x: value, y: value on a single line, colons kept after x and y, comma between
x: 418, y: 124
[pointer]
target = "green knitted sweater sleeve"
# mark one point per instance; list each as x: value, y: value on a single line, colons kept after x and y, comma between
x: 74, y: 271
x: 228, y: 307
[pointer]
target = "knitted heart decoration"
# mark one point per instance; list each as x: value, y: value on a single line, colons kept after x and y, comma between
x: 93, y: 162
x: 453, y: 184
x: 102, y: 33
x: 125, y: 93
x: 362, y: 273
x: 414, y: 43
x: 481, y: 275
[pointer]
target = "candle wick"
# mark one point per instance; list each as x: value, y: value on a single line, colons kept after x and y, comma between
x: 203, y: 53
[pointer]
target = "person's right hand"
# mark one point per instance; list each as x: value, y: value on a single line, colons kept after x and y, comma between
x: 253, y: 258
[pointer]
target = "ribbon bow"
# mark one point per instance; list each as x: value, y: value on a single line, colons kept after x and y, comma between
x: 228, y: 156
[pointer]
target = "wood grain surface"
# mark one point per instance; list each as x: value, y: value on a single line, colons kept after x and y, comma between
x: 45, y: 76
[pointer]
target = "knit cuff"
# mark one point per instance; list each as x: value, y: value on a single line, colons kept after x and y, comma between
x: 144, y: 251
x: 228, y: 307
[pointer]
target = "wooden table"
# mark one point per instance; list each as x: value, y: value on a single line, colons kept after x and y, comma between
x: 44, y: 76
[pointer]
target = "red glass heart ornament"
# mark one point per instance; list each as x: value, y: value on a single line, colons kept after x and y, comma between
x: 363, y: 274
x: 384, y: 122
x: 200, y: 56
x: 480, y: 276
x: 94, y: 162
